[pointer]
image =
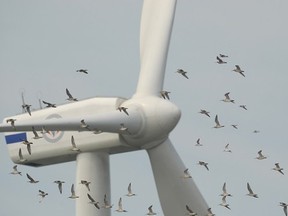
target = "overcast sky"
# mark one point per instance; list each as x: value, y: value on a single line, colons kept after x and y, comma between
x: 43, y: 43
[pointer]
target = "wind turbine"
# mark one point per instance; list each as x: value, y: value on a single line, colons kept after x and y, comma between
x: 151, y: 118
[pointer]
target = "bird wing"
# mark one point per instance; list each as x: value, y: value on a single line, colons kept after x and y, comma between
x: 227, y: 95
x: 224, y: 187
x: 73, y: 142
x: 285, y: 210
x: 89, y: 196
x: 188, y: 209
x: 150, y: 209
x: 29, y: 177
x: 129, y: 188
x: 237, y: 67
x: 277, y: 165
x: 260, y: 153
x: 249, y: 188
x: 68, y: 93
x: 216, y: 120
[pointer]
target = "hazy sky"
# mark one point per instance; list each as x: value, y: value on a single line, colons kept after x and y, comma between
x: 43, y: 43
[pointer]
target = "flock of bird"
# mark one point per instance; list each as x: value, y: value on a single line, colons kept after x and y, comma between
x: 165, y: 95
x: 218, y: 125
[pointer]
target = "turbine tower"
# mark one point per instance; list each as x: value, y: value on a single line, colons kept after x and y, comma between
x: 98, y: 129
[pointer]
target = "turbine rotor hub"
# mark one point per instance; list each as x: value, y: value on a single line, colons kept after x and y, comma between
x: 159, y: 118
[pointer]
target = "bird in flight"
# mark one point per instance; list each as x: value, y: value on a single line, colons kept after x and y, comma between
x: 210, y: 213
x: 42, y: 194
x: 86, y: 183
x: 223, y: 56
x: 49, y: 104
x: 59, y: 183
x: 21, y: 158
x: 73, y: 194
x: 198, y: 142
x: 186, y: 174
x: 204, y: 112
x: 238, y: 70
x: 36, y: 136
x: 70, y: 97
x: 15, y: 171
x: 251, y: 193
x: 26, y: 107
x: 12, y: 122
x: 124, y: 109
x: 106, y: 203
x: 28, y: 145
x: 260, y: 156
x: 224, y: 203
x: 190, y: 212
x: 218, y: 125
x: 227, y: 98
x: 183, y: 73
x: 85, y: 71
x: 120, y: 207
x: 150, y: 211
x: 226, y: 149
x: 130, y: 193
x: 92, y: 201
x: 220, y: 61
x: 31, y: 180
x: 284, y: 205
x: 278, y: 168
x: 74, y: 147
x: 165, y: 94
x: 225, y: 193
x: 243, y: 107
x: 202, y: 163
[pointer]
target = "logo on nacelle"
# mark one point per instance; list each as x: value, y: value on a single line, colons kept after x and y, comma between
x: 53, y: 136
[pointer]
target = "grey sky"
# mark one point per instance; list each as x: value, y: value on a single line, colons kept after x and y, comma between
x: 43, y: 43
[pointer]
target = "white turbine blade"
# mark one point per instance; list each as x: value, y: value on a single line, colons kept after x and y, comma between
x: 174, y: 191
x: 156, y: 26
x: 106, y: 122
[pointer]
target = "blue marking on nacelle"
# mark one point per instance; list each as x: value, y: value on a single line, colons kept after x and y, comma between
x: 15, y: 138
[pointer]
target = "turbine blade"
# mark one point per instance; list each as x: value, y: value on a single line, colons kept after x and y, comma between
x: 156, y: 26
x: 106, y: 122
x: 174, y: 190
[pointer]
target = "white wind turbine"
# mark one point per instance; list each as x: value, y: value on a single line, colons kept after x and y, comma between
x: 150, y: 120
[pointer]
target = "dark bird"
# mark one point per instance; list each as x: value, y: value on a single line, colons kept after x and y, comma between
x: 165, y: 94
x: 220, y: 61
x: 70, y: 97
x: 182, y: 72
x: 86, y: 183
x: 31, y: 180
x: 12, y: 122
x: 243, y: 107
x: 204, y: 112
x: 36, y: 136
x: 202, y: 163
x: 60, y: 184
x: 251, y: 193
x: 227, y: 98
x: 190, y: 212
x: 223, y: 56
x: 124, y: 109
x: 238, y: 70
x: 85, y: 71
x: 217, y: 123
x: 92, y: 201
x: 15, y: 171
x: 28, y: 145
x: 49, y: 104
x: 26, y: 107
x: 284, y: 205
x: 21, y: 158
